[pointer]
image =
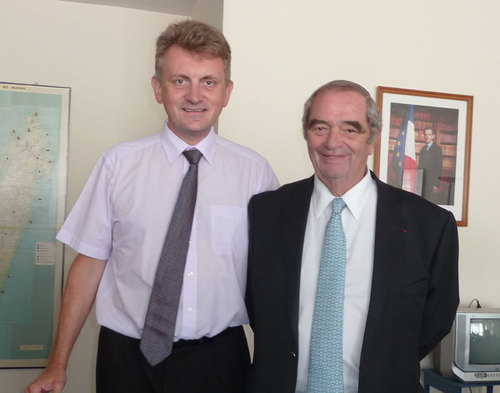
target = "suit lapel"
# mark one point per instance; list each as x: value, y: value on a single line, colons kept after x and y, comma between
x: 389, y: 246
x: 391, y: 236
x: 294, y: 218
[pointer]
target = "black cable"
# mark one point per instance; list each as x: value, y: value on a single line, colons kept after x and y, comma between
x: 478, y: 305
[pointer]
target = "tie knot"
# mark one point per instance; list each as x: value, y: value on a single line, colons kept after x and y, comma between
x: 338, y: 205
x: 193, y: 156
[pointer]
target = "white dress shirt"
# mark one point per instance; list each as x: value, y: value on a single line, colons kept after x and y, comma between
x: 123, y: 214
x: 358, y: 221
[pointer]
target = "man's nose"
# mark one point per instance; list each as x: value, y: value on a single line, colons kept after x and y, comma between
x: 333, y: 138
x: 194, y: 93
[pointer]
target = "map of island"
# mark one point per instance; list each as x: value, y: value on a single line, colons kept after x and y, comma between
x: 25, y: 162
x: 33, y: 145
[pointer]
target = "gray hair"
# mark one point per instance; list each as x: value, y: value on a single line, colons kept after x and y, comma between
x: 372, y: 114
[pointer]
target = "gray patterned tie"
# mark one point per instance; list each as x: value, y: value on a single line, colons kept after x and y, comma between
x: 325, y: 360
x: 159, y: 327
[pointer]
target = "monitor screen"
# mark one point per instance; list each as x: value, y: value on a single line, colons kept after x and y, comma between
x: 484, y: 341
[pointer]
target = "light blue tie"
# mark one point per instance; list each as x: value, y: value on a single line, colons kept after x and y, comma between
x: 325, y: 360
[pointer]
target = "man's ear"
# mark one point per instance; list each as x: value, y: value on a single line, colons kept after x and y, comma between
x: 373, y: 144
x: 229, y: 89
x: 156, y: 85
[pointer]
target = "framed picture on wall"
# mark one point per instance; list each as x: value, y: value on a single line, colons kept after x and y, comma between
x: 425, y: 145
x: 34, y: 123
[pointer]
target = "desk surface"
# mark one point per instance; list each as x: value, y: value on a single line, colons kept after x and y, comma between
x: 432, y: 378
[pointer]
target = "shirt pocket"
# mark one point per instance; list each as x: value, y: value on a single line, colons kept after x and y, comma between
x: 229, y: 230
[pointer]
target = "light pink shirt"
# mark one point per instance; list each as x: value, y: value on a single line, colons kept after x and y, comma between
x: 123, y: 213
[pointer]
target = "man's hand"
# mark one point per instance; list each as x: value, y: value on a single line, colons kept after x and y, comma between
x: 52, y: 380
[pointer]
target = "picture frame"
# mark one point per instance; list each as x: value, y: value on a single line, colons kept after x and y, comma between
x: 425, y: 145
x: 34, y: 131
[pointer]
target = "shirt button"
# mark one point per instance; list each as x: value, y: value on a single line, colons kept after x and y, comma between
x: 189, y: 309
x: 190, y: 274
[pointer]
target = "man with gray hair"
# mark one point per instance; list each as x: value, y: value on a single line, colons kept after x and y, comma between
x: 351, y: 282
x: 161, y: 232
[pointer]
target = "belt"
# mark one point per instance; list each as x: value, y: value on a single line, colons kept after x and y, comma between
x: 206, y: 340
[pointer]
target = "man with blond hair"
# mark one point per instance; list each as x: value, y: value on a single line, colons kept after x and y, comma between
x: 119, y: 225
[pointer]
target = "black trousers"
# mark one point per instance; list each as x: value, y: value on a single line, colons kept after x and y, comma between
x: 210, y: 365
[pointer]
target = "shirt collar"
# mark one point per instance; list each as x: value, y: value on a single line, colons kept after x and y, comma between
x: 174, y: 146
x: 355, y: 198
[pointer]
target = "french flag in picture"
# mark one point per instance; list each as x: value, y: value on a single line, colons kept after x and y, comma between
x: 404, y: 160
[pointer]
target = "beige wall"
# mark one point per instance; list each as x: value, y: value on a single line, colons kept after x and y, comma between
x: 282, y: 50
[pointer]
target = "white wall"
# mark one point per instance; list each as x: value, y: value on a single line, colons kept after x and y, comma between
x: 285, y: 49
x: 282, y: 51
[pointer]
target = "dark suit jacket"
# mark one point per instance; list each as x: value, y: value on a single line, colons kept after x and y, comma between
x: 414, y: 292
x: 431, y: 161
